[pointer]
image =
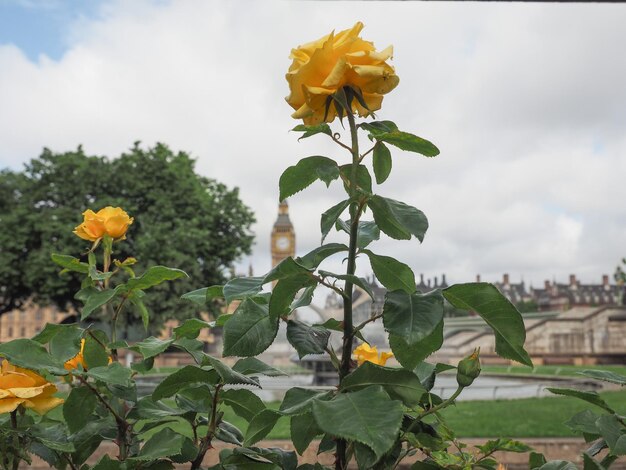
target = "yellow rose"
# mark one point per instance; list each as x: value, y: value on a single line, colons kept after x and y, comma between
x: 23, y: 387
x: 367, y: 353
x: 111, y: 221
x: 78, y: 359
x: 322, y: 67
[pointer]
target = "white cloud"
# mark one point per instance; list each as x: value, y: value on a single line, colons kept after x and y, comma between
x: 525, y: 101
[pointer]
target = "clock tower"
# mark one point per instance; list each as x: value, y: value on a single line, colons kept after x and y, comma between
x: 283, y: 236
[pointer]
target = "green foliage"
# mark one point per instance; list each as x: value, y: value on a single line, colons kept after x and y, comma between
x: 375, y: 417
x: 498, y: 313
x: 181, y: 219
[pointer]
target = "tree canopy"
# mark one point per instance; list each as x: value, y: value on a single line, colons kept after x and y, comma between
x: 182, y: 220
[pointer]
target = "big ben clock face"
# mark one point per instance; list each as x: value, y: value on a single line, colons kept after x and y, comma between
x: 282, y: 243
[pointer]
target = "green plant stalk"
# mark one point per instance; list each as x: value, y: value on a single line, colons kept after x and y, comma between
x: 206, y: 441
x: 348, y: 326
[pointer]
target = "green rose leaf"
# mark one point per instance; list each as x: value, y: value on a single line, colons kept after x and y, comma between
x: 70, y: 263
x: 506, y: 445
x: 312, y: 130
x: 498, y: 312
x: 260, y: 426
x: 243, y: 402
x: 367, y: 233
x: 182, y: 378
x: 297, y: 177
x: 313, y: 259
x: 229, y: 433
x: 31, y: 355
x: 191, y: 328
x: 163, y: 444
x: 204, y: 296
x: 558, y: 465
x: 400, y: 384
x: 397, y: 219
x: 391, y: 273
x: 113, y: 374
x: 382, y: 162
x: 304, y: 299
x: 307, y: 339
x: 427, y: 373
x: 589, y: 397
x: 136, y: 299
x: 228, y: 375
x: 65, y: 343
x: 154, y: 276
x: 78, y: 406
x: 411, y: 356
x: 147, y: 408
x: 412, y: 317
x: 605, y: 375
x: 363, y: 178
x: 613, y: 433
x: 583, y: 422
x: 151, y: 346
x: 94, y: 299
x: 330, y: 217
x: 242, y: 288
x: 95, y: 353
x: 387, y: 131
x: 285, y: 292
x: 298, y: 400
x: 252, y: 365
x: 368, y: 416
x: 250, y: 330
x: 303, y: 429
x: 590, y: 464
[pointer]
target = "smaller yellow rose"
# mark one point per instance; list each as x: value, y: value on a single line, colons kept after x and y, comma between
x: 111, y: 221
x: 24, y: 387
x: 367, y: 353
x: 77, y: 360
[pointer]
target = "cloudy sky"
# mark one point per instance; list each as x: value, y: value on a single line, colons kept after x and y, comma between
x: 527, y: 103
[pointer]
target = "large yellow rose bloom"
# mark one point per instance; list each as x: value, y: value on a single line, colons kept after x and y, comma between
x: 320, y: 68
x: 367, y: 353
x: 24, y: 387
x: 111, y: 221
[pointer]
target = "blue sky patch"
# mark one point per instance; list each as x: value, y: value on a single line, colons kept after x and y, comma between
x: 41, y: 26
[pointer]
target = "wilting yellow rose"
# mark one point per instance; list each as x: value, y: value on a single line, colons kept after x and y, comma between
x: 322, y: 67
x: 367, y: 353
x: 24, y: 387
x: 111, y: 221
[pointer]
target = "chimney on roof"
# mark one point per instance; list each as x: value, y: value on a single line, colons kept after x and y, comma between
x: 505, y: 279
x: 546, y: 284
x: 428, y: 283
x: 572, y: 280
x: 443, y: 279
x: 435, y: 281
x: 605, y: 281
x: 477, y: 277
x: 421, y: 279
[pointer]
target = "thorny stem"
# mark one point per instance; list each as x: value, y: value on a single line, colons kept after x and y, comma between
x: 205, y: 443
x: 348, y: 326
x: 67, y: 459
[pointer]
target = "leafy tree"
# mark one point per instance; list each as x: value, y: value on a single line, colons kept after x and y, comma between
x: 181, y: 219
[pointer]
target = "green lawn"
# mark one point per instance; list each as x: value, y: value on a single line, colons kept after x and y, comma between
x: 531, y: 417
x: 552, y: 370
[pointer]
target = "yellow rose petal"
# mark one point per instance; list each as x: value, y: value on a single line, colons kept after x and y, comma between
x: 10, y: 404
